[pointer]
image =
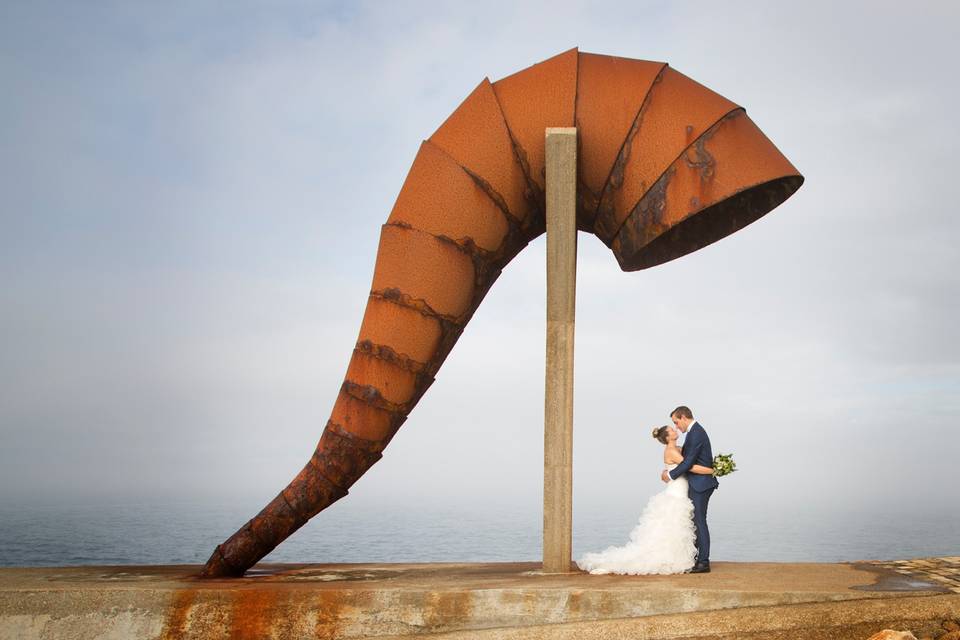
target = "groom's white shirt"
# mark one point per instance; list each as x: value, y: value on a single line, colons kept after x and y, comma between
x: 686, y: 433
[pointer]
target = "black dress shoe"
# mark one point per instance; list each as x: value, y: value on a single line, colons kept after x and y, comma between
x: 701, y: 567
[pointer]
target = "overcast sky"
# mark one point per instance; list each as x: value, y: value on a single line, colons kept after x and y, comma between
x: 191, y: 200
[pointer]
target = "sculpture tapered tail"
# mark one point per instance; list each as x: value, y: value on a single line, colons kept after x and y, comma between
x: 666, y: 167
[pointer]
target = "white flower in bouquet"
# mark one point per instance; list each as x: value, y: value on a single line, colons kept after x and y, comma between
x: 723, y: 464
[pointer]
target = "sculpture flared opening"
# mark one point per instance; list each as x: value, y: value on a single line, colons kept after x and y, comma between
x: 703, y: 227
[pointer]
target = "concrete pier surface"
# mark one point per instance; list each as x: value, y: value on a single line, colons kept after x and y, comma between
x: 487, y: 601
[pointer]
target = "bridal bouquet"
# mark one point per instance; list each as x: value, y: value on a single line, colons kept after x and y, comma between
x: 723, y: 464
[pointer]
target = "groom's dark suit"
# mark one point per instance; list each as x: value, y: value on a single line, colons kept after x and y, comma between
x: 696, y: 450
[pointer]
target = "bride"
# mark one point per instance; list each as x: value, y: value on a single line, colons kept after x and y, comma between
x: 663, y: 540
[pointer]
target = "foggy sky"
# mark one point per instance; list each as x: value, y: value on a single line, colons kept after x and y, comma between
x: 191, y: 201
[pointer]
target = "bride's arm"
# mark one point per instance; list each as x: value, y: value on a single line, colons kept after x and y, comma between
x: 672, y: 455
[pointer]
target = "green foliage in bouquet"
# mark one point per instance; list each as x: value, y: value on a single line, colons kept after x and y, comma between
x: 723, y: 464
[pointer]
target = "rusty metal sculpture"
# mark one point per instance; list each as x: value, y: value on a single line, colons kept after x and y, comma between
x: 666, y: 166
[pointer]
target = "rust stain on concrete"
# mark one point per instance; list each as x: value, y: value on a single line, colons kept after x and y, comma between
x: 177, y: 615
x: 447, y: 609
x: 328, y: 607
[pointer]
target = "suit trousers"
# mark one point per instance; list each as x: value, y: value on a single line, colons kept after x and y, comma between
x: 700, y: 500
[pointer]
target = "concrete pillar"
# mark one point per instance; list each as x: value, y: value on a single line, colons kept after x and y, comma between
x: 561, y: 186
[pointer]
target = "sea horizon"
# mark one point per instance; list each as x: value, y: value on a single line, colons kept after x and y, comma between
x: 182, y: 531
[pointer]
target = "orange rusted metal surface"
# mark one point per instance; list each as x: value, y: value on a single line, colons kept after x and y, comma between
x: 610, y: 92
x: 675, y: 112
x: 726, y: 179
x: 666, y: 166
x: 476, y: 137
x: 545, y: 92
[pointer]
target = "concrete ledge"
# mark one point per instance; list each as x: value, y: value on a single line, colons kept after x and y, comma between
x: 849, y: 620
x: 502, y: 600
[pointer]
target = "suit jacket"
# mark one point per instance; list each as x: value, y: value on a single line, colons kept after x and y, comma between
x: 696, y: 450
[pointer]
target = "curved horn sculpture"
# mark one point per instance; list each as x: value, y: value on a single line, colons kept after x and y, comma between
x: 666, y: 166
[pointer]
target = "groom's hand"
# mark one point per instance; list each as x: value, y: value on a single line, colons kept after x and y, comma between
x: 665, y: 476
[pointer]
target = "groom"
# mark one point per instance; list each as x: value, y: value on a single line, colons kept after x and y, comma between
x: 696, y: 450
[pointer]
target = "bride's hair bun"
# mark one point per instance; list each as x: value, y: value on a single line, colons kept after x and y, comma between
x: 660, y: 433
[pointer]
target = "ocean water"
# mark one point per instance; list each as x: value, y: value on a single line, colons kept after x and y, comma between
x: 181, y: 532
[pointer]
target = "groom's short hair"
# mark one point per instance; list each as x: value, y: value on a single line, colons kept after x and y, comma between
x: 682, y: 412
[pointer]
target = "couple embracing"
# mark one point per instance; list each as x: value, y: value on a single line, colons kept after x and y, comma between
x: 671, y: 535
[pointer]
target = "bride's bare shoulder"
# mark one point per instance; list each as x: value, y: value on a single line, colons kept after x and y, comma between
x: 672, y: 455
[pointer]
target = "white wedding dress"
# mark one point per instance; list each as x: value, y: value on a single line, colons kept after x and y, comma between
x: 663, y: 541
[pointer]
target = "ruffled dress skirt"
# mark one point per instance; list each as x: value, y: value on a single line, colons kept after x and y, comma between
x: 662, y: 542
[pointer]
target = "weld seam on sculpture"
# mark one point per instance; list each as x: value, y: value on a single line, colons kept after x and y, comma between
x: 537, y: 218
x: 512, y: 220
x: 370, y: 395
x: 301, y: 517
x: 332, y: 488
x: 219, y: 560
x: 520, y: 230
x: 283, y: 522
x: 399, y: 298
x: 532, y: 193
x: 652, y: 204
x: 321, y: 462
x: 366, y: 453
x: 444, y: 246
x: 448, y: 333
x: 331, y: 493
x: 483, y: 260
x: 535, y: 222
x: 616, y: 178
x: 385, y: 353
x: 700, y: 140
x: 576, y: 95
x: 450, y: 329
x: 367, y: 450
x: 615, y: 175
